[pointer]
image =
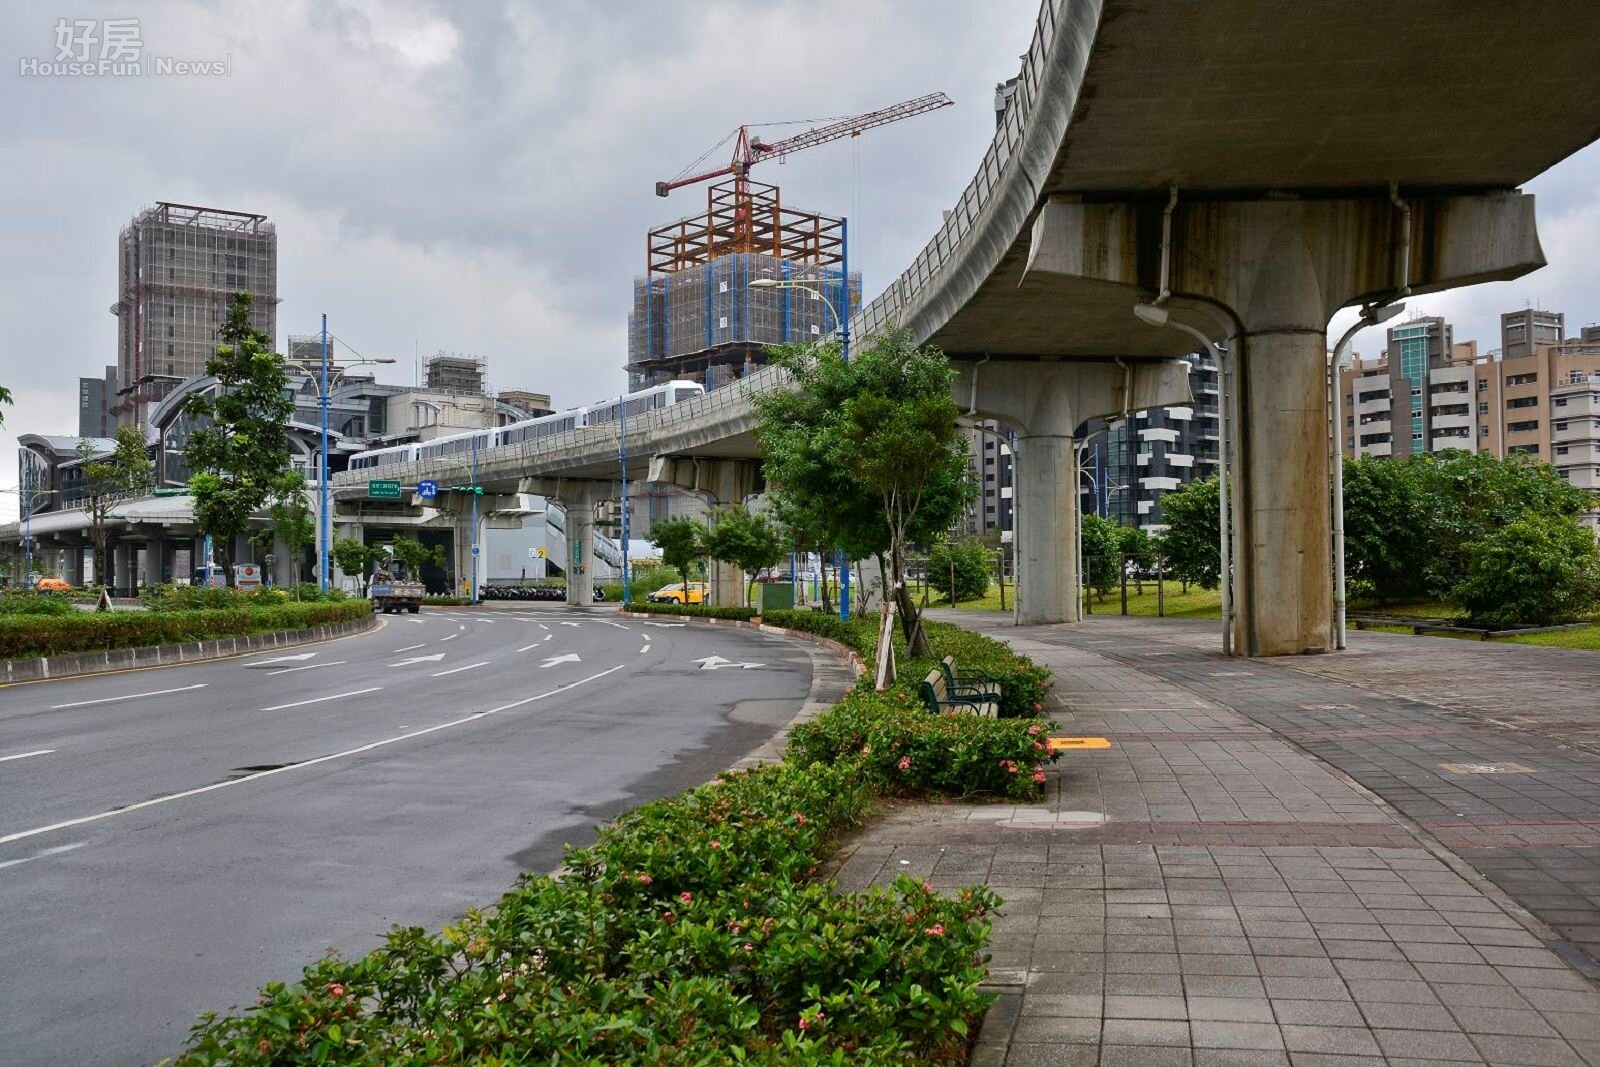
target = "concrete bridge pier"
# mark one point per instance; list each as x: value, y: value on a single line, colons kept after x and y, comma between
x: 579, y: 499
x: 1044, y: 401
x: 722, y: 483
x: 1273, y: 272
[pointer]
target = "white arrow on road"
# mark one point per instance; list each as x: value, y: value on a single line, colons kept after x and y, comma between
x: 716, y: 663
x: 666, y: 624
x: 570, y: 657
x: 572, y: 624
x: 279, y: 659
x: 435, y: 658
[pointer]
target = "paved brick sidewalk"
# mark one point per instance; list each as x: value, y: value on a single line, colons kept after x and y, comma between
x: 1204, y: 892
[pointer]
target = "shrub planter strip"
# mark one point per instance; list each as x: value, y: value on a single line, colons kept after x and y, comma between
x: 40, y: 668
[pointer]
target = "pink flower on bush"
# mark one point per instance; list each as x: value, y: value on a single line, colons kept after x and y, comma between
x: 716, y: 844
x: 799, y: 818
x: 808, y: 1021
x: 748, y: 947
x: 642, y: 878
x: 666, y: 916
x: 686, y: 896
x: 927, y: 887
x: 1033, y: 731
x: 1037, y: 706
x: 1038, y: 776
x: 1010, y: 765
x: 936, y: 930
x: 335, y: 990
x: 905, y: 763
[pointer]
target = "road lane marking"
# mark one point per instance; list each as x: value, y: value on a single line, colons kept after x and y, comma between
x: 129, y: 696
x: 308, y: 667
x: 458, y: 670
x: 319, y: 700
x: 643, y: 650
x: 408, y: 648
x: 279, y: 659
x: 417, y: 621
x: 25, y: 755
x: 56, y: 851
x: 461, y: 626
x: 618, y: 625
x: 570, y: 657
x: 435, y: 658
x: 542, y: 626
x: 452, y: 637
x: 368, y: 747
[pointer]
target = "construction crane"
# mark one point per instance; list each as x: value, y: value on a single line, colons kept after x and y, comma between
x: 748, y: 150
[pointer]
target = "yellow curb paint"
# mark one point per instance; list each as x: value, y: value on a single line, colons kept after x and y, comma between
x: 1062, y: 744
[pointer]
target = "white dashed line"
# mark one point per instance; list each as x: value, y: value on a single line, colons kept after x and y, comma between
x: 408, y: 648
x: 25, y: 755
x: 58, y: 850
x: 319, y: 700
x: 452, y: 637
x: 307, y: 667
x: 129, y: 696
x: 458, y: 670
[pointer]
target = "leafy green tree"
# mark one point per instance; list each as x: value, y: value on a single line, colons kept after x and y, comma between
x: 1386, y: 532
x: 1191, y: 545
x: 682, y: 542
x: 126, y: 472
x: 1102, y: 553
x: 240, y: 451
x: 413, y: 555
x: 353, y: 557
x: 5, y: 398
x: 869, y: 452
x: 969, y: 560
x: 1540, y: 569
x: 293, y: 524
x: 747, y: 539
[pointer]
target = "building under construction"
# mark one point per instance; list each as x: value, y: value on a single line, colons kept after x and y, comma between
x: 177, y: 268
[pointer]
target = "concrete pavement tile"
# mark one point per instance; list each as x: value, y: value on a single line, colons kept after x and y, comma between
x: 1209, y: 963
x: 1575, y: 1026
x: 1525, y: 1022
x: 1426, y: 1044
x: 1334, y: 1059
x: 1362, y: 950
x: 1145, y: 1032
x: 1503, y: 956
x: 1223, y: 985
x: 1419, y: 952
x: 1287, y: 946
x: 1526, y: 1051
x: 1479, y: 995
x: 1231, y: 1009
x: 1141, y: 963
x: 1389, y: 991
x: 1236, y: 1035
x: 1462, y: 973
x: 1041, y: 1029
x: 1140, y: 943
x: 1543, y: 978
x: 1144, y: 1056
x: 1120, y: 1006
x: 1560, y: 999
x: 1066, y: 982
x: 1061, y: 1004
x: 1145, y: 985
x: 1307, y: 988
x: 1317, y: 1013
x: 1296, y: 967
x: 1377, y: 969
x: 1345, y: 1040
x: 1409, y: 1017
x: 1238, y: 1057
x: 1041, y: 1055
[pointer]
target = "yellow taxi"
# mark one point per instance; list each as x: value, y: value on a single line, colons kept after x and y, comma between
x: 675, y: 594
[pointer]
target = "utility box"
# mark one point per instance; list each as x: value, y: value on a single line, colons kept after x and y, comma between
x: 774, y: 596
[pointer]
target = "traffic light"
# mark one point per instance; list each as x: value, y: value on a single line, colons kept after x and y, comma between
x: 476, y: 490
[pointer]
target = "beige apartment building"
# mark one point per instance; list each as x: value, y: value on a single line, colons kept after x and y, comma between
x: 1427, y: 393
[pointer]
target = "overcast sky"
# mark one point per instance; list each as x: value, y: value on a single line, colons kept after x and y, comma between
x: 478, y: 177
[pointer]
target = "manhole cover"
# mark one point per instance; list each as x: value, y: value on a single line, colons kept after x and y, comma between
x: 1486, y: 768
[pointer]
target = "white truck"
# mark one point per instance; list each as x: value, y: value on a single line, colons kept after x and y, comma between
x: 390, y: 594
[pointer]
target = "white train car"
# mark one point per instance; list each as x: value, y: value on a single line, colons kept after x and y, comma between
x: 645, y: 400
x: 456, y: 444
x: 533, y: 429
x: 381, y: 457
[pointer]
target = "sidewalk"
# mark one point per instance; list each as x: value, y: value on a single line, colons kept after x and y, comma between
x: 1206, y: 892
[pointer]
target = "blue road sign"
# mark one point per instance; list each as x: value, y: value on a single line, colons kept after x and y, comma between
x: 427, y: 489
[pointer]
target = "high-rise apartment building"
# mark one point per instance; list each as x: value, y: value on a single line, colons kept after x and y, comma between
x: 1522, y: 332
x: 96, y: 398
x: 177, y: 268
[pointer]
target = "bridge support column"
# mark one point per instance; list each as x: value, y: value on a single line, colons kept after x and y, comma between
x: 723, y: 483
x: 578, y: 498
x: 1044, y: 401
x: 1269, y: 274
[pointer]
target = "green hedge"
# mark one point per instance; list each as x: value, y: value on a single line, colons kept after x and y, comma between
x: 35, y: 635
x: 686, y: 935
x: 695, y: 611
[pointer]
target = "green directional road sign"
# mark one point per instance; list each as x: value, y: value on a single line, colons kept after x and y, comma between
x: 383, y: 489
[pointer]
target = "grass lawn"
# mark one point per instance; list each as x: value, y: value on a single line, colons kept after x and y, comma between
x: 1196, y: 604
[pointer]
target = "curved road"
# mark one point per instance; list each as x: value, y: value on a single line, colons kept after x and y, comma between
x: 170, y: 839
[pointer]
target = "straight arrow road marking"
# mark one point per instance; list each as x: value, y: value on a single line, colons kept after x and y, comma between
x: 716, y: 663
x: 570, y: 657
x: 319, y: 700
x: 309, y: 667
x: 20, y: 835
x: 435, y: 658
x: 279, y: 659
x: 25, y: 755
x: 129, y: 696
x: 458, y: 670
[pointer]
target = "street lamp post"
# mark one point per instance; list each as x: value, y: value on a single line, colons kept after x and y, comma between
x: 841, y: 324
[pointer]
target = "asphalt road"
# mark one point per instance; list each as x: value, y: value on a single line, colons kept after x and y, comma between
x: 171, y: 839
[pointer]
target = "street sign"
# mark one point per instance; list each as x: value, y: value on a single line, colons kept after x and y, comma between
x: 427, y: 489
x: 474, y: 550
x: 382, y: 489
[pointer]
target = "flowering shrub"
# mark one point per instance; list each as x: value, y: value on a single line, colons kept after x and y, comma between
x: 908, y: 752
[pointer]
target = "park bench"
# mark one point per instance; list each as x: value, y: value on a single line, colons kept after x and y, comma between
x: 944, y: 690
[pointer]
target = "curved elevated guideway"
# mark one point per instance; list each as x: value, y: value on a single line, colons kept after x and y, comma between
x: 1247, y: 168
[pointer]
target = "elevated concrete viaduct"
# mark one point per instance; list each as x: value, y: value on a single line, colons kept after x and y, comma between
x: 1245, y: 167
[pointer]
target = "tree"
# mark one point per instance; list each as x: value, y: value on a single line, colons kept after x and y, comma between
x: 968, y: 560
x: 353, y: 557
x: 1102, y: 554
x: 747, y: 539
x: 1191, y: 545
x: 1386, y: 534
x: 5, y: 398
x: 1540, y: 569
x: 293, y: 525
x: 868, y: 450
x: 413, y: 555
x: 240, y: 451
x: 681, y: 541
x: 108, y: 479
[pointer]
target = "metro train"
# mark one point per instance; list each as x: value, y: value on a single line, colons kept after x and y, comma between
x: 598, y: 414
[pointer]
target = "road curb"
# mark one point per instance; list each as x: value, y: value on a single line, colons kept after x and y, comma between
x: 828, y: 681
x: 77, y: 664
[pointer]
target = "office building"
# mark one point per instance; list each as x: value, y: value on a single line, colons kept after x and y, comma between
x: 178, y: 267
x: 96, y: 398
